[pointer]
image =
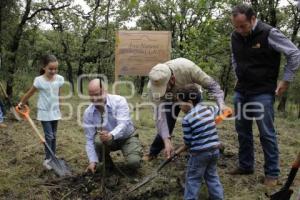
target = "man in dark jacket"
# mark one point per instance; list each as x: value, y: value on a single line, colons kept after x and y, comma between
x: 256, y: 51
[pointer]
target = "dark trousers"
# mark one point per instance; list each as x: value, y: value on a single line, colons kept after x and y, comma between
x: 158, y: 143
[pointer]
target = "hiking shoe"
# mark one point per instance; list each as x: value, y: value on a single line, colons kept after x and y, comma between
x: 270, y: 182
x: 149, y: 157
x: 2, y: 125
x: 46, y: 164
x: 239, y: 171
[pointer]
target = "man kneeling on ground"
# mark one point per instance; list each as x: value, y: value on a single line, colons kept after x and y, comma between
x: 117, y: 132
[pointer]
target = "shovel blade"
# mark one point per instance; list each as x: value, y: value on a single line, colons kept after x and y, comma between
x: 60, y: 167
x: 282, y: 195
x: 143, y: 182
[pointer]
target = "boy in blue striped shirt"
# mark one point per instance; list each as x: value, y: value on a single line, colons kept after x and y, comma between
x: 201, y: 138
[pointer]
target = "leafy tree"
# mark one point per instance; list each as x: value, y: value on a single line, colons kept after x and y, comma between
x: 31, y: 9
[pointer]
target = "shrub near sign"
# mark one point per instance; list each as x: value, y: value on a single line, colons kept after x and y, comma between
x: 138, y: 51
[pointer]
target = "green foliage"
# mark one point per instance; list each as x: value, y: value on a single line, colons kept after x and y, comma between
x: 200, y: 32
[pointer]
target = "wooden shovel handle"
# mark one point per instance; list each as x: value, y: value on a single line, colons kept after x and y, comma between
x: 24, y: 112
x: 180, y: 149
x: 297, y: 162
x: 36, y: 130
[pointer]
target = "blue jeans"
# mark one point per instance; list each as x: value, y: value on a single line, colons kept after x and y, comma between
x: 50, y: 128
x: 203, y: 166
x: 1, y: 112
x: 260, y: 108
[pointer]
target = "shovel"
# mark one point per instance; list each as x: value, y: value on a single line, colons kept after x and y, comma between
x: 11, y: 107
x: 285, y: 192
x: 156, y: 172
x: 226, y: 113
x: 59, y: 166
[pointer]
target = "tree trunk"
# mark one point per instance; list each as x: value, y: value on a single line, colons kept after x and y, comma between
x: 68, y: 62
x: 142, y: 84
x: 13, y: 48
x: 99, y: 63
x: 86, y: 37
x: 272, y: 13
x: 229, y: 68
x: 70, y: 75
x: 299, y: 110
x: 225, y: 78
x: 79, y: 73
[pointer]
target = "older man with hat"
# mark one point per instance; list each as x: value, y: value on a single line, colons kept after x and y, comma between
x: 164, y: 80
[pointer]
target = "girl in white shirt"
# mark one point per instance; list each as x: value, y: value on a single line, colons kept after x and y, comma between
x: 48, y: 85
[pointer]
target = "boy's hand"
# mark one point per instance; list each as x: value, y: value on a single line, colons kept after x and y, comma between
x: 168, y: 151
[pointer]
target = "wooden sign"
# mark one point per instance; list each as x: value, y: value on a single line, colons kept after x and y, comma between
x: 138, y: 51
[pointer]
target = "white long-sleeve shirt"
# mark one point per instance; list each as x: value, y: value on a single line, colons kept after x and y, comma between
x: 116, y: 120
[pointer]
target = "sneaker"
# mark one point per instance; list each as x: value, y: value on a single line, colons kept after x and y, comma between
x: 239, y: 171
x: 46, y: 164
x: 270, y: 182
x: 2, y: 125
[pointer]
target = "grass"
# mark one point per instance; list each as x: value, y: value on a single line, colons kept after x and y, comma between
x: 23, y: 177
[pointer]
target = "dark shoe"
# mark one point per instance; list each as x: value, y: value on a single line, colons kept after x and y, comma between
x: 270, y: 182
x: 239, y: 171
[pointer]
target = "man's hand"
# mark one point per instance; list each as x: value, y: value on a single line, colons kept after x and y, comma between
x: 105, y: 136
x: 222, y: 107
x: 168, y: 151
x: 91, y: 167
x: 281, y: 87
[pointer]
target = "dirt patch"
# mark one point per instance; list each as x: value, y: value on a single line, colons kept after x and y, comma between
x: 23, y: 177
x: 89, y: 186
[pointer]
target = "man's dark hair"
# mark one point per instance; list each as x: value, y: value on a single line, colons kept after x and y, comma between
x: 243, y: 9
x: 189, y: 92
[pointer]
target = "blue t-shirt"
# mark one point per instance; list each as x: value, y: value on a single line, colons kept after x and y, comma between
x: 48, y: 100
